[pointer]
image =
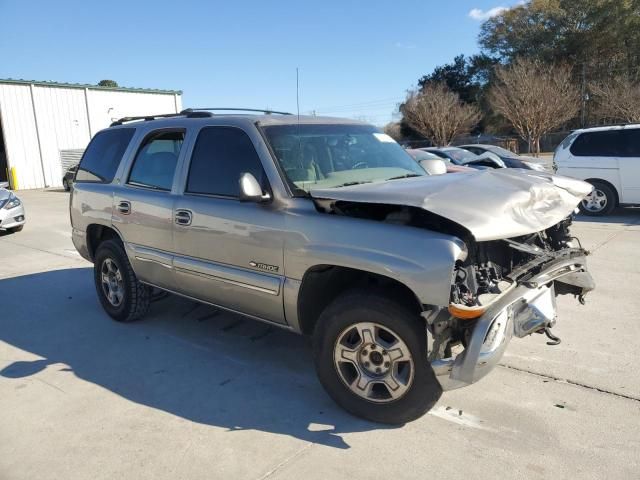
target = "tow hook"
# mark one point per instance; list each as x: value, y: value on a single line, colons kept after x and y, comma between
x: 581, y: 299
x: 554, y: 340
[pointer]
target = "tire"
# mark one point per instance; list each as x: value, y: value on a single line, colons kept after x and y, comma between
x: 600, y: 202
x: 65, y: 185
x: 381, y: 315
x: 134, y: 298
x: 16, y: 229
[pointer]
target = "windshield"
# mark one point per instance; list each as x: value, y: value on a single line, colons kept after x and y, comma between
x: 499, y: 150
x: 460, y: 154
x: 327, y: 156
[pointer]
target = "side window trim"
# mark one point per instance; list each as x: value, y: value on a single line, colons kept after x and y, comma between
x: 138, y: 145
x: 188, y: 150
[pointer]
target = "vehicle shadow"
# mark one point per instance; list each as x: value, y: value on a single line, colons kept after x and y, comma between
x: 187, y: 359
x: 628, y: 216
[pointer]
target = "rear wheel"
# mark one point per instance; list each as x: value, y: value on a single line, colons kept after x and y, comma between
x: 122, y: 296
x: 601, y: 201
x: 371, y: 356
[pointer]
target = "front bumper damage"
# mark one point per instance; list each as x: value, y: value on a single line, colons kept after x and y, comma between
x: 526, y: 308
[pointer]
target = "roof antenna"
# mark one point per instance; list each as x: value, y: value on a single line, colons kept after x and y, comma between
x: 298, y: 95
x: 298, y: 108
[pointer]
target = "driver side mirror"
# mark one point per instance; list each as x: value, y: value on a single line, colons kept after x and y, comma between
x: 250, y: 189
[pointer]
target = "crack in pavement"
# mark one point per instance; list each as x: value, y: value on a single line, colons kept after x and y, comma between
x: 286, y: 461
x: 570, y: 382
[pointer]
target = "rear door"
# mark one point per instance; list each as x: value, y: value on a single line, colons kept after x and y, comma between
x: 595, y: 155
x: 629, y: 162
x: 144, y: 203
x: 228, y: 253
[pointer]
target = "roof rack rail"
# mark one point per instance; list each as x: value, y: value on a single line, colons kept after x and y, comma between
x: 255, y: 110
x: 122, y: 120
x: 184, y: 113
x: 193, y: 113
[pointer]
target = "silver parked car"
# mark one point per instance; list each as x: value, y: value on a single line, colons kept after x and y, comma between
x: 12, y: 215
x: 408, y: 283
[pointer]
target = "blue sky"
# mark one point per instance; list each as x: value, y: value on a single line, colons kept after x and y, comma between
x: 356, y: 58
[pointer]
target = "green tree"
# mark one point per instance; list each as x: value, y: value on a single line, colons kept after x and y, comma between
x: 597, y: 36
x: 108, y: 83
x: 466, y: 76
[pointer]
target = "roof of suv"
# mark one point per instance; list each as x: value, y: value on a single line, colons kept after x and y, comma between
x: 608, y: 127
x: 266, y: 119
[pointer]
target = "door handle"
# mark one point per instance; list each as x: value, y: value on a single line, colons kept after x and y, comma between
x: 183, y: 217
x: 124, y: 207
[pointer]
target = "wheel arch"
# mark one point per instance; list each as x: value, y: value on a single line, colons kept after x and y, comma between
x: 608, y: 184
x: 323, y: 283
x: 98, y: 233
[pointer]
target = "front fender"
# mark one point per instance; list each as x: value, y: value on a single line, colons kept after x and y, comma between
x: 420, y: 259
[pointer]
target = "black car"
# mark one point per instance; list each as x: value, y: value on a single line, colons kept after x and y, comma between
x: 69, y: 175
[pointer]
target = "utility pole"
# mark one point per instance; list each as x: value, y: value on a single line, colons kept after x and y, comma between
x: 583, y: 96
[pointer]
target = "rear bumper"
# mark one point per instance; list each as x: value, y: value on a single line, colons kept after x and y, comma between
x: 527, y: 308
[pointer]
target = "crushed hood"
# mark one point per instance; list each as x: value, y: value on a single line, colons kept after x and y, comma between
x: 491, y: 204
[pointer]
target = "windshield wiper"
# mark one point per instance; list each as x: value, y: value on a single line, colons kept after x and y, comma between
x: 407, y: 175
x: 349, y: 184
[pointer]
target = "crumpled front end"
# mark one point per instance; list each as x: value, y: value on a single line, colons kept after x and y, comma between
x: 504, y: 289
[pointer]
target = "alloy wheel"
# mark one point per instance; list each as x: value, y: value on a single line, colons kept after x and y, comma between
x: 112, y: 282
x: 373, y: 362
x: 595, y: 202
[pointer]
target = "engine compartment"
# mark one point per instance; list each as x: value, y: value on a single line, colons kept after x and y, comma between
x: 493, y: 267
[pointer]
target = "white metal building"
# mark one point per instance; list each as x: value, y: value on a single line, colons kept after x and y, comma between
x: 46, y: 125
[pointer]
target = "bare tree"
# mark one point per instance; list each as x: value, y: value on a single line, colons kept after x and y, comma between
x: 437, y: 113
x: 617, y: 100
x: 535, y: 98
x: 393, y: 130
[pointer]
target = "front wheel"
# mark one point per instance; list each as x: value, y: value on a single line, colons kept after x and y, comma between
x: 371, y: 356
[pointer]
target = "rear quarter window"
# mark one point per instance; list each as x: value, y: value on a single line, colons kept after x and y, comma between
x: 103, y: 155
x: 631, y: 142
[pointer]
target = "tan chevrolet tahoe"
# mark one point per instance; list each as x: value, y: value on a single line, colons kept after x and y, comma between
x: 408, y: 283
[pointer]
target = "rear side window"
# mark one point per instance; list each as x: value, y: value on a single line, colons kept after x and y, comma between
x: 102, y: 157
x: 220, y: 156
x: 631, y: 142
x: 607, y: 143
x: 155, y: 163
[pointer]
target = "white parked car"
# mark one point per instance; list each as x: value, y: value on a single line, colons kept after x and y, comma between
x: 609, y: 159
x: 12, y: 216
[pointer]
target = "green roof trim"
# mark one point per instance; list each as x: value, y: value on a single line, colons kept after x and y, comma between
x: 47, y: 83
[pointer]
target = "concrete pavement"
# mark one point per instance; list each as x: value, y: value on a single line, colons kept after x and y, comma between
x: 190, y: 392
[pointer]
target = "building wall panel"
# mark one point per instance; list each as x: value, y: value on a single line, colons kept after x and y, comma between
x: 21, y: 141
x: 106, y: 106
x: 67, y: 118
x: 62, y: 125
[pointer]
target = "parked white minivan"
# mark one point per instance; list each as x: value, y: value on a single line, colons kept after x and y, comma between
x: 609, y: 159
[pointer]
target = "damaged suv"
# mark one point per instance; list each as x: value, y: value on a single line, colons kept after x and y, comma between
x: 409, y: 284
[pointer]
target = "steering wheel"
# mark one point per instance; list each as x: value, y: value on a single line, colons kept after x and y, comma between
x: 360, y: 165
